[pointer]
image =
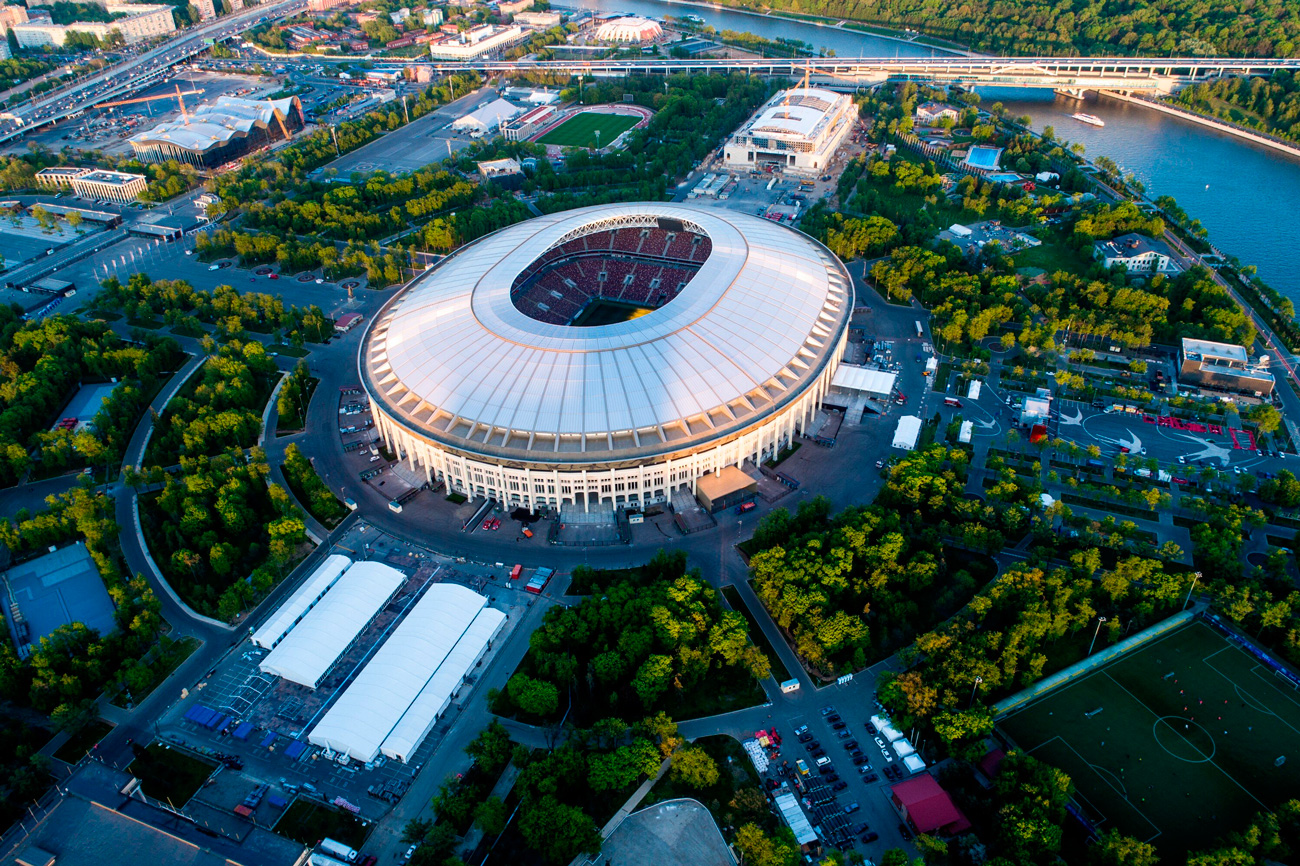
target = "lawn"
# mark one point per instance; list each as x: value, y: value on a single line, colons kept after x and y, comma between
x: 81, y: 742
x: 1175, y: 743
x: 1052, y: 255
x: 580, y: 130
x: 779, y: 670
x: 168, y: 774
x: 307, y: 822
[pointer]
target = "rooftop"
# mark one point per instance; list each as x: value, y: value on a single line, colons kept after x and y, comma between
x: 116, y: 178
x: 671, y: 833
x: 799, y: 112
x: 929, y: 807
x: 1209, y: 350
x: 453, y: 358
x: 216, y: 124
x: 1131, y: 246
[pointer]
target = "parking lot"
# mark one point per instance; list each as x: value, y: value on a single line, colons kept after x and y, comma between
x: 840, y: 768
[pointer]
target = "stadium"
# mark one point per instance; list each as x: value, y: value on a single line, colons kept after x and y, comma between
x: 607, y: 356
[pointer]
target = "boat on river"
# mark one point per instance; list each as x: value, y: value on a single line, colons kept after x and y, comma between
x: 1090, y: 119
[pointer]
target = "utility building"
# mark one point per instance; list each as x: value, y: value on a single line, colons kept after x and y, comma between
x: 798, y: 130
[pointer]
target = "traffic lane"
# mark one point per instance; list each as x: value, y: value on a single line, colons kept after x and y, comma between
x: 1123, y: 433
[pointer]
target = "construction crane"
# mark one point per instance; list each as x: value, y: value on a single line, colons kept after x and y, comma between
x: 179, y: 96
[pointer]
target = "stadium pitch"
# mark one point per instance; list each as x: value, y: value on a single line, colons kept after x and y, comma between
x: 580, y: 130
x: 1177, y: 743
x: 603, y: 311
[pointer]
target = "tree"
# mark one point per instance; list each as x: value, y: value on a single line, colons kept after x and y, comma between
x: 692, y: 766
x: 490, y: 815
x: 557, y: 831
x: 491, y: 749
x: 1116, y: 849
x: 533, y: 697
x: 759, y: 849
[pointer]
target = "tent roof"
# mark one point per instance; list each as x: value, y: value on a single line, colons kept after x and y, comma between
x: 437, y: 693
x: 370, y: 709
x: 308, y: 651
x: 928, y: 806
x: 307, y: 594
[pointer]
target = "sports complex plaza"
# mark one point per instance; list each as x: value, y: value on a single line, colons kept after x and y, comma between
x: 608, y: 356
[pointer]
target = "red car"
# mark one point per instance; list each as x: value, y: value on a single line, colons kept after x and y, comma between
x: 487, y: 524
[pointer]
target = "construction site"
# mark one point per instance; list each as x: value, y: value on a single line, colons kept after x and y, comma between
x: 108, y: 127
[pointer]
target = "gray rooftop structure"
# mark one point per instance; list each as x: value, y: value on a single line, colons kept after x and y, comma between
x: 671, y: 833
x: 93, y: 823
x: 56, y: 589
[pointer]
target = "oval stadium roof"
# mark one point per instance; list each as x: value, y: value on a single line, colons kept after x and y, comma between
x: 452, y: 358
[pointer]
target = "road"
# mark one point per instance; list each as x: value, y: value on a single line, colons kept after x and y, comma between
x: 150, y: 65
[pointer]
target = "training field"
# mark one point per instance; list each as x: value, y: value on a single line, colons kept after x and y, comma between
x: 1174, y: 760
x: 580, y: 130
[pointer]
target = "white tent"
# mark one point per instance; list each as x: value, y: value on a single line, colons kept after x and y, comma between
x: 903, y: 748
x: 287, y: 615
x: 329, y: 628
x: 370, y: 709
x: 889, y: 732
x: 487, y: 117
x: 914, y: 763
x: 436, y: 696
x: 909, y: 430
x: 855, y: 378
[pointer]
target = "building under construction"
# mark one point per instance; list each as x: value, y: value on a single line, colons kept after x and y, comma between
x: 213, y: 135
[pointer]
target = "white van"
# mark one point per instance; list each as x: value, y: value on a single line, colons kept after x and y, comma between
x: 395, y: 506
x: 823, y: 760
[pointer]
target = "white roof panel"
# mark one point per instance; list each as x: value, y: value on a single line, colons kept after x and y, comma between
x: 307, y: 652
x: 446, y: 681
x: 862, y: 379
x: 306, y: 595
x: 371, y: 707
x: 453, y: 339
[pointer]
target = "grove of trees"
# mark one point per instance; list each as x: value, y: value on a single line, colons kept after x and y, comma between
x: 660, y: 642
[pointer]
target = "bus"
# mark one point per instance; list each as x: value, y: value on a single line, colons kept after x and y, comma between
x: 920, y: 332
x: 952, y: 401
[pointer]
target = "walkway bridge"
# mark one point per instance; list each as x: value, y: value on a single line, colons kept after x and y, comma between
x: 1069, y: 74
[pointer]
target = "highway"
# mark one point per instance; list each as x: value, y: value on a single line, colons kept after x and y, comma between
x: 128, y: 76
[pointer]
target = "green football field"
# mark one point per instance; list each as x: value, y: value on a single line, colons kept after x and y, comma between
x: 580, y: 130
x: 1176, y: 743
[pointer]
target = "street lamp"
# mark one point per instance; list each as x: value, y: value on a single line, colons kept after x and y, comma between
x: 1195, y: 577
x: 1095, y: 632
x: 975, y: 686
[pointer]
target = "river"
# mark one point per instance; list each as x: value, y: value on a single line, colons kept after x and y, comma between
x: 1240, y: 191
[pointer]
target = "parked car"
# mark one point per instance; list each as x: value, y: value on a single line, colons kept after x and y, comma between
x: 870, y: 837
x: 851, y: 808
x: 839, y: 786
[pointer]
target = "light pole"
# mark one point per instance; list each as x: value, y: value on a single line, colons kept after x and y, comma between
x: 1195, y: 577
x: 1095, y: 632
x: 973, y: 687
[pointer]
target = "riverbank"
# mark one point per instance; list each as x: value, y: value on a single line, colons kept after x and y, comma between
x: 831, y: 24
x: 1203, y: 120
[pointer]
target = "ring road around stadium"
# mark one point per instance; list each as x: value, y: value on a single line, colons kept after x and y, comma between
x: 607, y: 355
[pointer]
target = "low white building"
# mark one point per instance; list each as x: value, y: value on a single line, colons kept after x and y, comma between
x: 798, y: 130
x: 932, y: 112
x: 478, y: 42
x: 1137, y: 253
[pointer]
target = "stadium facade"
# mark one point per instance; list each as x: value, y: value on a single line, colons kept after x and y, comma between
x: 607, y: 355
x: 213, y: 135
x: 798, y: 130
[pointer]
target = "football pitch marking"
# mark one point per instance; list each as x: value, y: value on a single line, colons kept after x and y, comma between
x: 1110, y: 779
x: 1166, y: 721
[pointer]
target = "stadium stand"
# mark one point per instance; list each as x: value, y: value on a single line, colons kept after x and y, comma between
x: 643, y: 266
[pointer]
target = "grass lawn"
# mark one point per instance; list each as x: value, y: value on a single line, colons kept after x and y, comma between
x: 307, y: 822
x: 783, y: 455
x: 287, y: 350
x: 756, y: 636
x: 289, y: 424
x: 1052, y: 255
x: 79, y: 743
x: 170, y: 775
x: 580, y: 130
x: 1175, y: 743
